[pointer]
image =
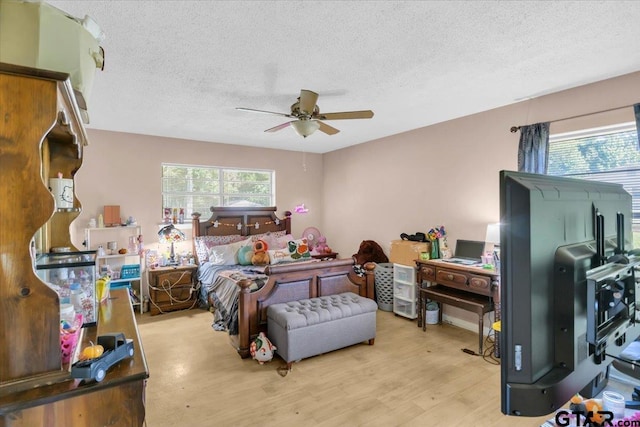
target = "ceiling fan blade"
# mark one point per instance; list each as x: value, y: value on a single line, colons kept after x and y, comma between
x: 329, y: 130
x: 307, y: 101
x: 364, y: 114
x: 279, y: 127
x: 251, y: 110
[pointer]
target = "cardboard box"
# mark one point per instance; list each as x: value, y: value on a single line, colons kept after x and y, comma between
x: 112, y: 215
x: 38, y: 35
x: 407, y: 252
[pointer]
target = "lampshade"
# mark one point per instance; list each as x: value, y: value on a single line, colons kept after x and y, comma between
x: 493, y: 234
x: 170, y: 234
x: 304, y: 128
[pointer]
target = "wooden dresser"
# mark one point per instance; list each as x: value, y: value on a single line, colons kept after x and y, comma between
x: 41, y: 134
x: 470, y: 288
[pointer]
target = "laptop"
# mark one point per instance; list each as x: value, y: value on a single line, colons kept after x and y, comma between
x: 468, y: 252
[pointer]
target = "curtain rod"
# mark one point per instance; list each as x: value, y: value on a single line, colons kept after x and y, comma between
x: 515, y: 129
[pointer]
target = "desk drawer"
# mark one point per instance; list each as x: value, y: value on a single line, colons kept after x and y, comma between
x: 452, y: 278
x: 428, y: 273
x: 480, y: 284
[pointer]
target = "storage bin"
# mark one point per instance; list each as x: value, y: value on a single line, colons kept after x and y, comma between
x: 38, y: 35
x: 60, y: 270
x: 404, y: 308
x: 69, y: 339
x: 431, y: 318
x: 383, y: 274
x: 404, y: 273
x: 405, y: 291
x: 130, y: 271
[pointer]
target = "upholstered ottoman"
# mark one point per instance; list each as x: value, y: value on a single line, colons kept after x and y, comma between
x: 310, y: 327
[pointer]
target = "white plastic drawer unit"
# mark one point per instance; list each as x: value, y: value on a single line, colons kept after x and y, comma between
x: 404, y: 273
x: 404, y: 308
x: 404, y: 291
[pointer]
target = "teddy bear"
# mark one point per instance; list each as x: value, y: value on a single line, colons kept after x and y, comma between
x: 260, y: 254
x: 370, y: 251
x: 321, y: 246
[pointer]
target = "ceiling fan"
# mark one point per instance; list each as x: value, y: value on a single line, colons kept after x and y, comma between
x: 308, y: 117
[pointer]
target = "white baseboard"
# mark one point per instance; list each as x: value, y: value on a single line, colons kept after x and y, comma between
x: 464, y: 324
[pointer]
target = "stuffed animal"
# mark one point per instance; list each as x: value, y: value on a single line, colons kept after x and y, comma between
x: 245, y: 253
x: 321, y: 246
x: 260, y: 254
x: 262, y: 349
x: 298, y: 249
x: 370, y: 251
x: 590, y: 408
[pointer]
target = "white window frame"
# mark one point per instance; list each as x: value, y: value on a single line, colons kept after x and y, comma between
x: 632, y: 187
x: 217, y: 198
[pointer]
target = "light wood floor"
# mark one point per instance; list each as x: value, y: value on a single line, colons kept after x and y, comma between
x: 408, y: 378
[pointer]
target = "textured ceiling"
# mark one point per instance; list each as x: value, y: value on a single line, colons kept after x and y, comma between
x: 179, y: 68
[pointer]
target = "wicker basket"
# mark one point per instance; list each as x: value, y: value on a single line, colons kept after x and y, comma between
x: 384, y: 285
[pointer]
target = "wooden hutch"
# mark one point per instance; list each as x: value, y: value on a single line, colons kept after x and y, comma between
x: 41, y: 134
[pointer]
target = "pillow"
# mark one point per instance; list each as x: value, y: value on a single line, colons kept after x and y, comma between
x: 296, y: 250
x: 205, y: 243
x: 270, y: 237
x: 245, y: 253
x: 283, y: 241
x: 226, y: 254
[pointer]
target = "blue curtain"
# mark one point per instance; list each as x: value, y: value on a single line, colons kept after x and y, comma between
x: 533, y: 150
x: 636, y: 110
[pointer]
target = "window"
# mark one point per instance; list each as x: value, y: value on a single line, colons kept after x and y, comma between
x: 605, y: 154
x: 197, y: 188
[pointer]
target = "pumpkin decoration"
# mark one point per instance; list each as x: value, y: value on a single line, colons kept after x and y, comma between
x: 92, y: 351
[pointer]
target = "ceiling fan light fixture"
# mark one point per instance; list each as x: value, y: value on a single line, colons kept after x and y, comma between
x: 304, y: 128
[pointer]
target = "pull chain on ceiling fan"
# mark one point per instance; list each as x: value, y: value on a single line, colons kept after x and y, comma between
x: 308, y: 118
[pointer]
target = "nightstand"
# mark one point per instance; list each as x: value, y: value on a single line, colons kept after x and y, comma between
x: 172, y: 288
x: 330, y: 255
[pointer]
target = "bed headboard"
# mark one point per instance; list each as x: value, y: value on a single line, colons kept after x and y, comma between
x: 226, y: 221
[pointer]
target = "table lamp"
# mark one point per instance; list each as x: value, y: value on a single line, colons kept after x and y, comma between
x: 170, y: 234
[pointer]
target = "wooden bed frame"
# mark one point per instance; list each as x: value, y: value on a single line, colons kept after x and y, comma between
x: 287, y: 282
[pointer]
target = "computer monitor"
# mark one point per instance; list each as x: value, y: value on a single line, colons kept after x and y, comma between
x: 568, y: 303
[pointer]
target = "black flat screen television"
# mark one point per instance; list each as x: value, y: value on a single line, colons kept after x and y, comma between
x: 567, y: 288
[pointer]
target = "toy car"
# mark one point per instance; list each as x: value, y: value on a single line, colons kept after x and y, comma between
x: 116, y: 348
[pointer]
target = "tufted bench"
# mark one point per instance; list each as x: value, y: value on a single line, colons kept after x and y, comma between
x: 310, y: 327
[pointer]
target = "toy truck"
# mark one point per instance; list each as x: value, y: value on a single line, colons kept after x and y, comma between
x: 116, y: 347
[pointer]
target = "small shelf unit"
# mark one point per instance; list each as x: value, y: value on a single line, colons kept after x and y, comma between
x: 116, y: 262
x: 404, y: 291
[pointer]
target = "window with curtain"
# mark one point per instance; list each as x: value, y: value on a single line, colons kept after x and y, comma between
x: 607, y: 154
x: 197, y: 188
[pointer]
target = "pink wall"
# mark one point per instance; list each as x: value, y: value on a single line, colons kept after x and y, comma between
x: 125, y: 169
x: 448, y: 173
x: 442, y: 174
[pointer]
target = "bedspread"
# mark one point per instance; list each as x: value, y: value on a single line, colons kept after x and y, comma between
x: 219, y: 291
